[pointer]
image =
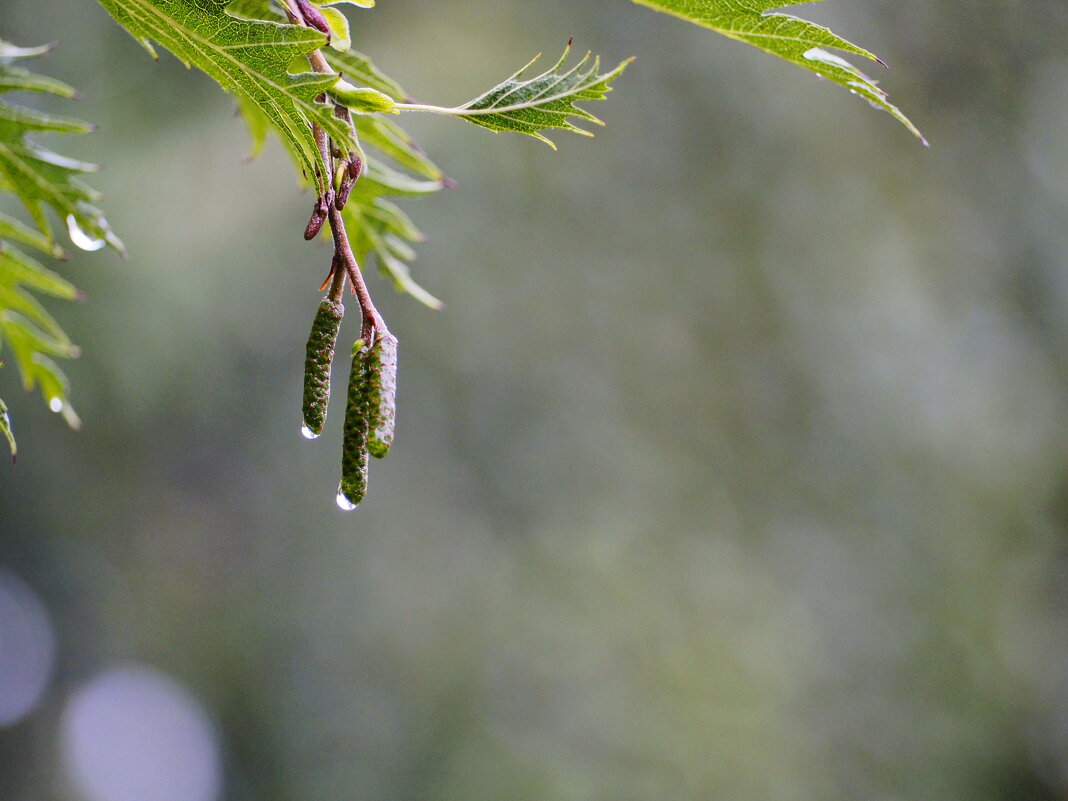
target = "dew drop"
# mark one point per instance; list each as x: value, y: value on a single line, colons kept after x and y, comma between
x: 825, y: 57
x: 56, y: 405
x: 308, y: 433
x: 80, y: 238
x: 344, y: 503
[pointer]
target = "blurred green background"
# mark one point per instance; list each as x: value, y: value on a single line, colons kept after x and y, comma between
x: 735, y: 468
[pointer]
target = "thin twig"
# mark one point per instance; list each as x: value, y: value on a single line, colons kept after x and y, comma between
x: 372, y: 321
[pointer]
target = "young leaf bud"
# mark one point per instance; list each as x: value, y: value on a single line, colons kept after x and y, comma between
x: 317, y: 362
x: 318, y: 217
x: 354, y: 455
x: 362, y: 100
x: 381, y: 394
x: 314, y: 17
x: 351, y: 174
x: 343, y: 192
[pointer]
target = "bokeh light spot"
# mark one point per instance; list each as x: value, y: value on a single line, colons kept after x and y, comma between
x: 133, y: 734
x: 27, y: 649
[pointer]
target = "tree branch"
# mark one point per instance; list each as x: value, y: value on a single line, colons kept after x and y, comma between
x: 344, y: 264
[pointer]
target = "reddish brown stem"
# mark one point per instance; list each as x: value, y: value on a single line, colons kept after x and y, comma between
x: 372, y: 321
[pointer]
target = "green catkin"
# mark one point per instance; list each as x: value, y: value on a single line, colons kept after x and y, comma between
x: 381, y: 394
x: 354, y: 456
x: 320, y: 355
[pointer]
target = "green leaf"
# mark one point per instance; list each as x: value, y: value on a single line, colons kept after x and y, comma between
x: 363, y: 99
x: 351, y: 65
x: 40, y: 179
x: 18, y: 271
x: 33, y: 348
x: 255, y: 9
x: 359, y: 69
x: 31, y: 332
x: 796, y: 40
x: 380, y: 228
x: 17, y: 79
x: 545, y: 102
x: 340, y: 37
x: 359, y: 3
x: 10, y: 52
x: 10, y: 228
x: 258, y: 124
x: 377, y: 228
x: 248, y: 57
x: 15, y: 121
x: 392, y: 141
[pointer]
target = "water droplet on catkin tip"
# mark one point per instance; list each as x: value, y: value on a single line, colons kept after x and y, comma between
x: 308, y: 433
x: 344, y: 503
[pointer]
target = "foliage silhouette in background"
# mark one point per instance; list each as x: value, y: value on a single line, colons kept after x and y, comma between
x: 291, y: 68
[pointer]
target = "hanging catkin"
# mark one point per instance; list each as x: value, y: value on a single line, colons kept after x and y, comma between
x: 319, y: 357
x: 381, y: 371
x: 354, y: 456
